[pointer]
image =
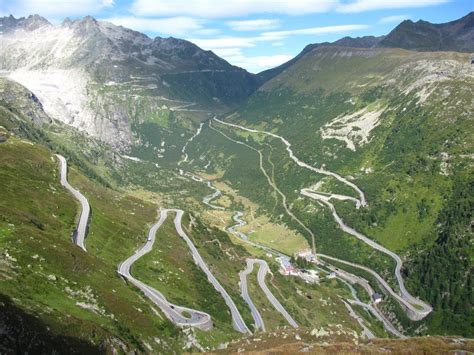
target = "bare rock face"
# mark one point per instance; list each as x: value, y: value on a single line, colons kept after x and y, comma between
x: 23, y: 101
x: 91, y: 74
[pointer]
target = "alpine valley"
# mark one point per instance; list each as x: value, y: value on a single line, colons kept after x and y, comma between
x: 157, y: 199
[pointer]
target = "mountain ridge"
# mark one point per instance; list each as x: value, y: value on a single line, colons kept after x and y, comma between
x: 457, y: 35
x: 407, y: 35
x: 364, y: 151
x: 96, y: 76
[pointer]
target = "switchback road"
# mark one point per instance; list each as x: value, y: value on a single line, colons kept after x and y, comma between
x: 81, y: 230
x: 177, y: 314
x: 415, y: 308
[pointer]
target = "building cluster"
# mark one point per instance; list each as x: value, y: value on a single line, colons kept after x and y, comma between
x: 307, y: 255
x: 288, y: 269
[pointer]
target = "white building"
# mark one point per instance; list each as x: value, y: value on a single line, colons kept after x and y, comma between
x: 377, y: 297
x: 286, y: 268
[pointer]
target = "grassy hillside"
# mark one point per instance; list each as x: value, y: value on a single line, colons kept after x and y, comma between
x: 73, y: 293
x: 399, y: 125
x: 396, y: 123
x: 87, y: 305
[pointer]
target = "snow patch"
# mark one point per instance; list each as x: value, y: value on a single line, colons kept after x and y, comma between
x: 63, y: 94
x: 45, y: 46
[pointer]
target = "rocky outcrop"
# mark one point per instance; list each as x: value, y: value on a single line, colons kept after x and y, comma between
x: 92, y: 74
x: 22, y: 101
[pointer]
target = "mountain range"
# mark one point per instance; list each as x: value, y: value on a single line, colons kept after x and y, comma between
x: 81, y: 67
x: 419, y: 36
x: 329, y: 199
x: 100, y: 65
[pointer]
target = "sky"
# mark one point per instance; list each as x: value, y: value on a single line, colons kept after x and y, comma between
x: 253, y: 34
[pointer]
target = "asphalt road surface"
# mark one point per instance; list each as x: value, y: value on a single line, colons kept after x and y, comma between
x: 245, y: 295
x: 174, y: 312
x: 262, y: 272
x: 81, y: 230
x: 237, y: 319
x: 416, y: 309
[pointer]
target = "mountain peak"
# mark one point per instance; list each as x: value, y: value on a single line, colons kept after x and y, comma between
x: 89, y: 19
x: 457, y: 35
x: 359, y: 42
x: 35, y: 21
x: 30, y: 23
x: 66, y: 22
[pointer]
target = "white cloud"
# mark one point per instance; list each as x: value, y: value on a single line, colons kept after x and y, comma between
x: 230, y: 8
x: 230, y: 48
x: 208, y: 32
x: 277, y: 35
x: 370, y: 5
x: 394, y: 19
x: 259, y: 63
x: 253, y: 64
x: 278, y: 44
x: 228, y: 52
x: 175, y: 26
x: 55, y: 8
x: 224, y: 42
x: 272, y: 36
x: 254, y: 25
x: 236, y: 8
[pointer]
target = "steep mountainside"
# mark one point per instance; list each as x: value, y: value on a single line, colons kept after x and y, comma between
x: 88, y: 307
x: 344, y: 178
x: 398, y: 124
x: 97, y: 76
x: 457, y: 35
x: 22, y: 101
x: 425, y: 36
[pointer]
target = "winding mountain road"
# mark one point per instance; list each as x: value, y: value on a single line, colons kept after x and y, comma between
x: 350, y: 279
x: 412, y: 312
x: 342, y: 275
x: 270, y: 182
x: 81, y: 230
x: 259, y: 324
x: 416, y: 309
x: 250, y: 262
x: 174, y: 312
x: 262, y: 272
x: 322, y: 171
x: 237, y: 319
